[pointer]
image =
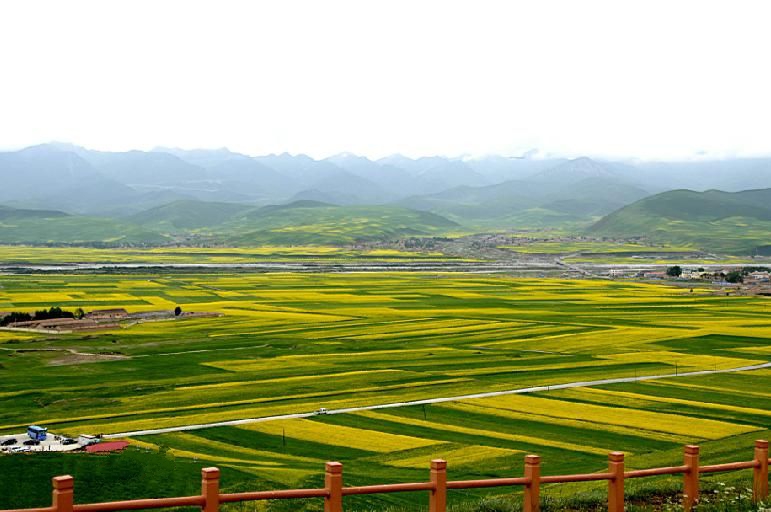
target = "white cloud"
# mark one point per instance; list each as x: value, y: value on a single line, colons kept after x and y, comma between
x: 649, y: 79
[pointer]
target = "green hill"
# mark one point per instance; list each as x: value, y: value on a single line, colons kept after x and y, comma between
x: 188, y: 214
x: 8, y: 213
x: 316, y: 223
x: 301, y: 222
x: 36, y: 227
x: 298, y: 223
x: 730, y: 222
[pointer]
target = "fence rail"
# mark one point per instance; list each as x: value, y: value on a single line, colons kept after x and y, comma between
x: 333, y: 491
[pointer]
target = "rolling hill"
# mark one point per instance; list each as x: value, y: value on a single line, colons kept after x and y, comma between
x: 38, y: 227
x: 573, y: 193
x: 191, y: 221
x: 188, y: 214
x: 315, y: 223
x: 731, y: 222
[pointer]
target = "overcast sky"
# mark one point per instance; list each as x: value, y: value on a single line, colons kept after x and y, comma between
x: 645, y: 79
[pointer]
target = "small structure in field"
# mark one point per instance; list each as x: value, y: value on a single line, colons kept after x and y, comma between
x: 107, y: 314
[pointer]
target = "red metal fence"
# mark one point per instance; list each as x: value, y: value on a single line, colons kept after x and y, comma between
x: 333, y: 491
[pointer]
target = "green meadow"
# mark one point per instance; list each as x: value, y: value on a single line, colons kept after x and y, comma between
x: 294, y: 342
x: 594, y: 246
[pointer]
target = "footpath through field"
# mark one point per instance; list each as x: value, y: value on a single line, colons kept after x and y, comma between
x: 427, y: 401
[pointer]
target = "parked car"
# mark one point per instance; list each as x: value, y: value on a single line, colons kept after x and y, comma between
x: 31, y: 442
x: 9, y: 442
x: 69, y: 440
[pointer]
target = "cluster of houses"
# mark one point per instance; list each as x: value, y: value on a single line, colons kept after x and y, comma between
x: 716, y: 276
x: 100, y: 319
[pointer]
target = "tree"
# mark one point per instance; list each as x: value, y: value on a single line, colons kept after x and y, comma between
x: 734, y: 276
x: 79, y: 313
x: 675, y: 271
x: 15, y: 317
x: 177, y: 311
x: 53, y: 312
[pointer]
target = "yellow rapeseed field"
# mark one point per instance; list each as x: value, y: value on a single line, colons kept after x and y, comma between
x: 622, y: 416
x: 336, y: 435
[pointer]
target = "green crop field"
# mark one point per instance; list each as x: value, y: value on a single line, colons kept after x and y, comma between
x: 292, y: 342
x: 593, y: 246
x: 23, y: 254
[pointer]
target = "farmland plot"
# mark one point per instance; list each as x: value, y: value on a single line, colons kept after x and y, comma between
x: 291, y: 343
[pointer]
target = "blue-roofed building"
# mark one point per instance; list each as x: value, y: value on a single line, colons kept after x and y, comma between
x: 37, y: 433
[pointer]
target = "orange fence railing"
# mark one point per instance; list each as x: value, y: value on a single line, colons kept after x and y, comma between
x: 333, y: 491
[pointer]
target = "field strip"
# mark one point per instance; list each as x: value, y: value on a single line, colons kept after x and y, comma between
x: 427, y: 401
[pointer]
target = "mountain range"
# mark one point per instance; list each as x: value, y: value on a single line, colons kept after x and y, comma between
x: 166, y: 193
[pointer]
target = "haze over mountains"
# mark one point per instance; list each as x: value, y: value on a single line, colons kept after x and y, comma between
x: 77, y: 180
x: 149, y: 195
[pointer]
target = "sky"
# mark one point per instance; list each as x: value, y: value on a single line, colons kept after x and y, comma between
x: 623, y: 79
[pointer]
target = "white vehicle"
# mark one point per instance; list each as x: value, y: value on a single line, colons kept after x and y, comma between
x: 322, y: 410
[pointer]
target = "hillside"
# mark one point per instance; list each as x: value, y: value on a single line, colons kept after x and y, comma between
x: 575, y: 192
x: 732, y: 222
x: 188, y: 214
x: 315, y: 223
x: 35, y: 227
x: 7, y: 213
x: 297, y: 223
x: 306, y: 222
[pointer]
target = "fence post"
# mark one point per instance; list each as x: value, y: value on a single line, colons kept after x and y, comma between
x: 437, y: 500
x: 760, y: 472
x: 616, y: 483
x: 210, y: 489
x: 62, y: 498
x: 333, y: 481
x: 533, y: 488
x: 691, y: 477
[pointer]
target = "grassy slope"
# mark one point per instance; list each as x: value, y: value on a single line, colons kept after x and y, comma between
x: 75, y: 230
x: 300, y: 223
x: 188, y: 214
x: 716, y: 221
x: 319, y: 224
x: 294, y: 342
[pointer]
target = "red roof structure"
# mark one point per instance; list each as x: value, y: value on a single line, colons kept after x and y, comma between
x: 112, y: 446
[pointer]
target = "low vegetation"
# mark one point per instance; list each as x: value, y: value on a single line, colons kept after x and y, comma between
x: 296, y: 342
x: 201, y: 223
x: 723, y: 222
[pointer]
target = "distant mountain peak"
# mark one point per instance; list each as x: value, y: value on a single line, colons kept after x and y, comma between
x: 576, y: 170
